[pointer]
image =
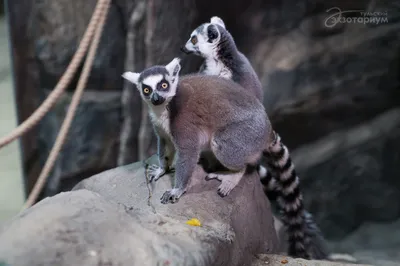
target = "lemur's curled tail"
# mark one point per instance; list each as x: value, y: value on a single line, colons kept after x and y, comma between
x: 282, y: 183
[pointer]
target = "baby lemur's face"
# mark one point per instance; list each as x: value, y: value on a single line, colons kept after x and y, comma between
x: 204, y: 39
x: 157, y: 85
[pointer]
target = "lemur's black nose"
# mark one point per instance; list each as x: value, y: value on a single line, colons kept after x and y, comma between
x: 157, y: 99
x: 183, y: 49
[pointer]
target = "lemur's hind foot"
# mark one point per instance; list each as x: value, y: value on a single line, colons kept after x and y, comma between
x: 229, y: 180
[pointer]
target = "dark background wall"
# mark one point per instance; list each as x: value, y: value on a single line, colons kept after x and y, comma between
x: 333, y: 94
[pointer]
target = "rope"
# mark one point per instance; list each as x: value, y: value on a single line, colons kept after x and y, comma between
x: 63, y: 82
x: 99, y: 15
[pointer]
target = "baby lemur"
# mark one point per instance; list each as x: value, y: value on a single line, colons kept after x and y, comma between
x: 215, y: 44
x: 222, y: 58
x: 198, y: 113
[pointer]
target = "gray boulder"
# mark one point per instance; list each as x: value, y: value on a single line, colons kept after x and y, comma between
x: 92, y: 141
x: 350, y: 177
x: 264, y: 259
x: 116, y: 218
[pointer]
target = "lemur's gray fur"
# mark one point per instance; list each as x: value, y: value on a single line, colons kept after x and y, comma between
x: 233, y: 125
x: 216, y: 45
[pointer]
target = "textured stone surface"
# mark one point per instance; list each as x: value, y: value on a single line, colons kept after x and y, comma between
x: 264, y: 259
x: 373, y: 243
x: 57, y: 36
x: 351, y: 176
x: 314, y: 86
x: 91, y: 145
x: 106, y: 220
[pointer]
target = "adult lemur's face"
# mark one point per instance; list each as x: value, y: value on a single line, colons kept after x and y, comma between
x: 204, y: 39
x: 157, y: 84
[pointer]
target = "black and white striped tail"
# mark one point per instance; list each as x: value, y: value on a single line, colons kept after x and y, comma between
x: 268, y: 182
x: 288, y: 196
x: 317, y: 248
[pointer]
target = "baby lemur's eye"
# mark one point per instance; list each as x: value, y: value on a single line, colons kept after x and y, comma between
x: 194, y: 39
x: 164, y: 85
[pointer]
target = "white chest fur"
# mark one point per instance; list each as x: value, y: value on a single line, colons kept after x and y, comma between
x: 160, y: 118
x: 216, y: 67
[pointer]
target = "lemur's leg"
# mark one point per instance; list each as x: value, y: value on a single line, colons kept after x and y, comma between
x: 188, y: 152
x: 170, y: 155
x: 231, y: 150
x: 165, y: 151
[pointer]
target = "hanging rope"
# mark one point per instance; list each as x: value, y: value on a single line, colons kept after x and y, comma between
x: 91, y: 37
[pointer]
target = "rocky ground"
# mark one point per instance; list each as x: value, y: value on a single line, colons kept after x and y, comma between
x: 116, y: 218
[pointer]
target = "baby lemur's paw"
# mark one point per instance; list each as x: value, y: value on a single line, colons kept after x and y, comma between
x: 154, y: 172
x: 172, y: 196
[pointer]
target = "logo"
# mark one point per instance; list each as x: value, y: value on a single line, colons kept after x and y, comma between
x: 354, y: 16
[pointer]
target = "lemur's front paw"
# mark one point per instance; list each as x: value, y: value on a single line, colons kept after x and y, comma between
x: 172, y: 196
x: 154, y: 172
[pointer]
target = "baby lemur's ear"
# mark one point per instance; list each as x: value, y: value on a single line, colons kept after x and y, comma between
x: 212, y: 33
x: 174, y: 67
x: 218, y: 21
x: 131, y: 76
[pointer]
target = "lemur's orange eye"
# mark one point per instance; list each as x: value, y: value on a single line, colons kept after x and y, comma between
x: 146, y: 90
x: 194, y: 40
x: 164, y: 85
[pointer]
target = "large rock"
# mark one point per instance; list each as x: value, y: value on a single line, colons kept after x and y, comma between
x: 92, y: 141
x: 373, y: 243
x: 114, y: 218
x: 57, y: 37
x: 351, y: 176
x: 264, y: 259
x: 315, y: 85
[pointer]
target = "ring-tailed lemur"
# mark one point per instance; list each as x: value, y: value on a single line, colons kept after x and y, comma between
x: 216, y: 45
x: 192, y: 115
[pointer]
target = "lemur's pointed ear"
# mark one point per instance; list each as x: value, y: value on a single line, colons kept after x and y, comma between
x: 212, y: 33
x: 174, y: 67
x: 131, y: 76
x: 218, y: 21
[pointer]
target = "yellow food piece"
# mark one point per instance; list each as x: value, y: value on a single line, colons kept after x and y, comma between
x: 193, y: 222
